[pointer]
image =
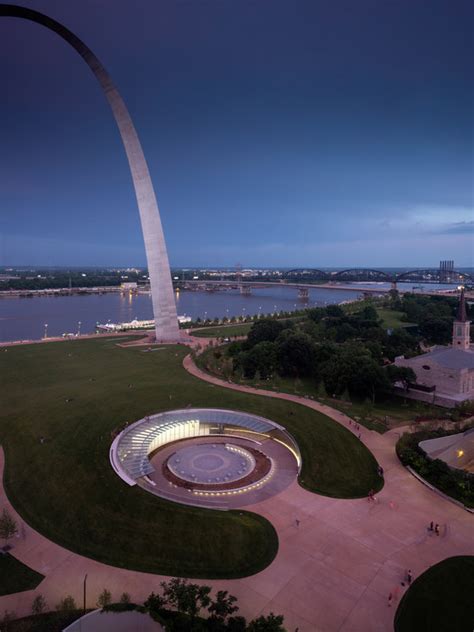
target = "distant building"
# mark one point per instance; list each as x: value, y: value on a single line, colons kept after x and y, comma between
x: 445, y: 375
x: 446, y: 270
x: 129, y: 286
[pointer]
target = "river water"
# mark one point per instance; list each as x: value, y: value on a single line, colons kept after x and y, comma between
x: 25, y: 318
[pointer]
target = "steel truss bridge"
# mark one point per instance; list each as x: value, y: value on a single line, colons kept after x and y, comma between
x: 428, y: 275
x: 303, y: 280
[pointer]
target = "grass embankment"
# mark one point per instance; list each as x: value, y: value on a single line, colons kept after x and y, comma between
x: 222, y: 331
x: 16, y: 577
x: 440, y: 600
x: 66, y: 489
x: 391, y: 319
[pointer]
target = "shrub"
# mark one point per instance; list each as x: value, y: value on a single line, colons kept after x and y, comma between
x: 39, y: 605
x: 66, y: 604
x: 455, y: 483
x: 104, y: 599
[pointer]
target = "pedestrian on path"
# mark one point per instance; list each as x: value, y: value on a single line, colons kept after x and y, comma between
x: 297, y: 522
x: 431, y: 527
x: 437, y: 529
x: 409, y: 577
x: 390, y: 598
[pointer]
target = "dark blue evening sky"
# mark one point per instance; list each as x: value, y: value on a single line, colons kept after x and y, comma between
x: 278, y: 133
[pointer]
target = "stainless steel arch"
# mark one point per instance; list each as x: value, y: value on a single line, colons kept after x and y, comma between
x: 164, y: 307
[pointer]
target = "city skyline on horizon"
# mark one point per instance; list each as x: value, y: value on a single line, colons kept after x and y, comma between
x: 337, y: 132
x: 65, y: 267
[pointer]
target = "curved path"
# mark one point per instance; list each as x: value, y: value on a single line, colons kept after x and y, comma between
x: 333, y: 572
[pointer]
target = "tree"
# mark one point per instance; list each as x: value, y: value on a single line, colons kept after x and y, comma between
x: 8, y: 526
x: 223, y: 605
x: 125, y: 598
x: 265, y: 330
x: 334, y: 311
x: 270, y: 623
x: 186, y: 597
x: 399, y: 343
x: 436, y: 330
x: 236, y: 624
x: 154, y: 603
x: 369, y: 313
x: 7, y: 618
x: 395, y: 302
x: 316, y: 314
x: 353, y: 369
x: 105, y: 598
x: 39, y: 604
x: 403, y: 374
x: 261, y: 359
x: 296, y: 354
x: 66, y: 604
x: 344, y: 332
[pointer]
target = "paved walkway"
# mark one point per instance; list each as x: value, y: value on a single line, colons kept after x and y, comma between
x: 333, y: 572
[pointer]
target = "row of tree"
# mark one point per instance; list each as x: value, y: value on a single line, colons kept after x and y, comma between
x: 355, y: 364
x: 182, y: 606
x: 433, y: 315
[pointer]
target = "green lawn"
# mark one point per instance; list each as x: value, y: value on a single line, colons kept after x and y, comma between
x: 67, y: 490
x: 440, y: 600
x: 223, y: 331
x: 16, y: 577
x: 392, y: 319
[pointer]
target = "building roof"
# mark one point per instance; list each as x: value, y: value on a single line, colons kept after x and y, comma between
x: 450, y: 358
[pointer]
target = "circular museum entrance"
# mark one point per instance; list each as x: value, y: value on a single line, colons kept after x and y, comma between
x: 207, y: 457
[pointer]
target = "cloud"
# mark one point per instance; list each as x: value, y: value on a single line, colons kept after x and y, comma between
x: 456, y: 228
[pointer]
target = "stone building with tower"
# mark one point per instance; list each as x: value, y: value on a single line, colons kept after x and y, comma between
x: 445, y: 375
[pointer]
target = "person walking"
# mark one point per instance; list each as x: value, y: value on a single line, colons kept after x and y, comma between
x: 409, y: 577
x: 390, y: 598
x: 297, y: 522
x: 431, y: 527
x: 436, y: 529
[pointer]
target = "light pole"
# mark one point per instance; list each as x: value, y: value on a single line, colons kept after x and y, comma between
x: 46, y: 330
x: 84, y: 603
x: 79, y: 328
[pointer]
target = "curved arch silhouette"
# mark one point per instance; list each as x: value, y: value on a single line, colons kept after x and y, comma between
x: 164, y: 307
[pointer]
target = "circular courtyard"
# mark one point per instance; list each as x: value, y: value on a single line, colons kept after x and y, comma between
x: 207, y: 457
x: 211, y: 464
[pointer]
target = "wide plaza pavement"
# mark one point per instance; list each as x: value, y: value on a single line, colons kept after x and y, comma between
x: 335, y: 568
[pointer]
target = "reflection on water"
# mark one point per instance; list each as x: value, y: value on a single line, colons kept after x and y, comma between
x: 25, y: 318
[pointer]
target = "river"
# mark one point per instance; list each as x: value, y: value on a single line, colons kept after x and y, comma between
x: 26, y: 318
